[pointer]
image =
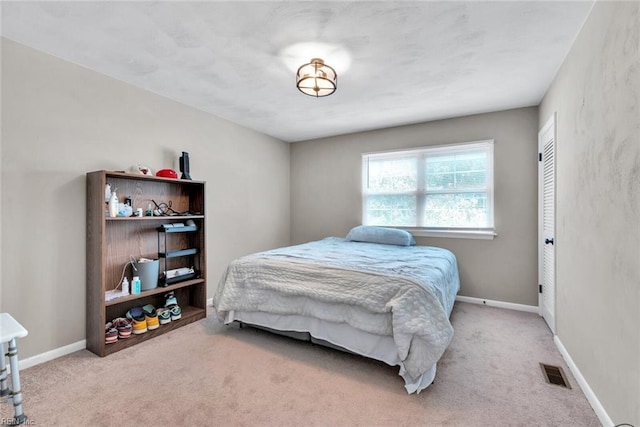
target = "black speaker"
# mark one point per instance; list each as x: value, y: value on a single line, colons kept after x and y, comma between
x: 184, y: 165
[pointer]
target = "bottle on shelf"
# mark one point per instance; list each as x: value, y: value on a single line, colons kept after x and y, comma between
x: 135, y: 285
x: 113, y: 205
x: 125, y: 286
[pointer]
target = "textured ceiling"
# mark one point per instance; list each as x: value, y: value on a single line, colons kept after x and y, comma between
x: 397, y: 62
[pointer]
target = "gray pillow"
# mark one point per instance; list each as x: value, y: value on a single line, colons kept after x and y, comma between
x: 383, y: 235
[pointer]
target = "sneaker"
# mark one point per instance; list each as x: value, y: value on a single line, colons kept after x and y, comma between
x: 110, y: 333
x: 138, y: 320
x: 138, y: 326
x: 124, y: 327
x: 151, y: 316
x: 164, y: 315
x: 170, y: 299
x: 172, y: 304
x: 176, y: 312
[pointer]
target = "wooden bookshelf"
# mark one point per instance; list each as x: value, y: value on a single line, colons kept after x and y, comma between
x: 111, y: 242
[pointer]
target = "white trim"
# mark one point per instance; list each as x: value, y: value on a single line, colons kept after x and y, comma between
x: 498, y: 304
x: 210, y: 302
x: 440, y: 147
x: 455, y: 234
x: 589, y: 394
x: 49, y: 355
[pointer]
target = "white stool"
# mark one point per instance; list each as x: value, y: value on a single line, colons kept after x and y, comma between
x: 10, y: 329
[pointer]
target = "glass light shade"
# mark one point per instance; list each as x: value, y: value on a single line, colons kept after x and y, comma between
x: 316, y: 79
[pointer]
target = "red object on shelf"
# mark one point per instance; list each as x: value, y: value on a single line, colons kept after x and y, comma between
x: 167, y: 173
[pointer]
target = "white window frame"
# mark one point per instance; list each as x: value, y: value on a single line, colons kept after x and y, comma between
x: 421, y: 193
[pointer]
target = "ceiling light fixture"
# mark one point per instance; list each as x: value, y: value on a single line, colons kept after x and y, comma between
x: 316, y: 78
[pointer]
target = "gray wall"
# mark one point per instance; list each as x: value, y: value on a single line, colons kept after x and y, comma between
x: 326, y: 195
x: 595, y: 95
x: 59, y: 122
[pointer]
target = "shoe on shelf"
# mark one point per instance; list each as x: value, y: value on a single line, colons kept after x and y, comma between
x: 170, y: 299
x: 110, y: 333
x: 138, y: 320
x: 123, y: 326
x: 172, y: 304
x: 135, y: 313
x: 151, y: 316
x: 138, y: 326
x: 164, y: 315
x: 176, y: 312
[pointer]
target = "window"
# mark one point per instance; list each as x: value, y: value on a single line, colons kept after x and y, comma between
x: 438, y: 189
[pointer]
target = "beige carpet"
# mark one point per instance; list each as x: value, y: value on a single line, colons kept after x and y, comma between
x: 209, y: 374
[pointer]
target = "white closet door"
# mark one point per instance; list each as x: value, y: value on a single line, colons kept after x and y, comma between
x: 546, y: 222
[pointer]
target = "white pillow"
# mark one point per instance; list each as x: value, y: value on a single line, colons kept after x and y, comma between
x: 383, y: 235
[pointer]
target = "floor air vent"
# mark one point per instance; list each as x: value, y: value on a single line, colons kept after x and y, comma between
x: 554, y: 375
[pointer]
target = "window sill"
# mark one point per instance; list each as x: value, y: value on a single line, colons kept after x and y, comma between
x: 453, y: 234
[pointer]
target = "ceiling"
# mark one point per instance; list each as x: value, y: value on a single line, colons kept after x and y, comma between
x: 397, y: 62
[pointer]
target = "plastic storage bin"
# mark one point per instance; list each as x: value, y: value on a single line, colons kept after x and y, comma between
x: 148, y: 273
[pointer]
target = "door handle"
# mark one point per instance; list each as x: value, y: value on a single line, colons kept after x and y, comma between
x: 547, y: 241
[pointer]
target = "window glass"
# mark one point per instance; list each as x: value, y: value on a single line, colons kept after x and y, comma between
x: 447, y: 187
x: 391, y: 209
x: 456, y: 210
x: 392, y: 175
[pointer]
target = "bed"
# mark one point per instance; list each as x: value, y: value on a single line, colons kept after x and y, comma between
x: 374, y: 293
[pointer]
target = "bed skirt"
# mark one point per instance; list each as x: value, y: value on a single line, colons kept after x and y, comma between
x: 335, y: 335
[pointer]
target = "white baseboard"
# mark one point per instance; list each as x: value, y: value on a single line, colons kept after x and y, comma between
x: 210, y: 301
x: 589, y: 394
x: 499, y: 304
x: 49, y: 355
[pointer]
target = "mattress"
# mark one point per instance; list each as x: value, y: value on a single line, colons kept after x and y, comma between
x: 390, y: 303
